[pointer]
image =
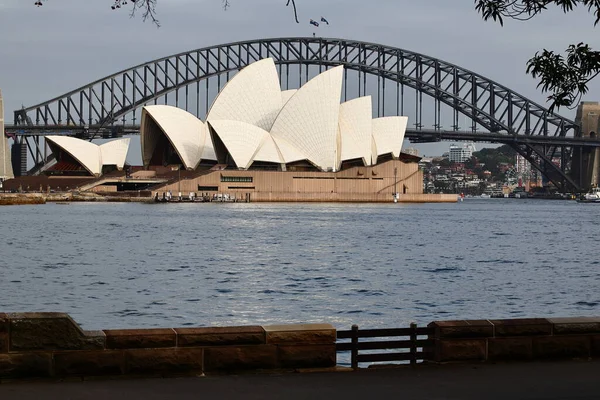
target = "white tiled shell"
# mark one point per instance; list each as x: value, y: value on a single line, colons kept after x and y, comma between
x: 86, y: 153
x: 241, y: 139
x: 114, y: 152
x: 288, y: 152
x: 208, y: 149
x: 186, y: 133
x: 269, y: 152
x: 309, y: 120
x: 286, y: 95
x: 356, y: 129
x: 388, y: 133
x: 252, y: 96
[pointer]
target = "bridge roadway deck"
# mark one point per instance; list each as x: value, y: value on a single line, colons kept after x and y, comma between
x: 415, y: 135
x: 531, y: 381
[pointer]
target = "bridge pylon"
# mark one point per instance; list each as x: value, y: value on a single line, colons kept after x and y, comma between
x: 586, y: 161
x: 6, y: 171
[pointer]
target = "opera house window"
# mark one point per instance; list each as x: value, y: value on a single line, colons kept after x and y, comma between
x: 246, y: 179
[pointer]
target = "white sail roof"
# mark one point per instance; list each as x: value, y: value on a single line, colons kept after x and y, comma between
x: 309, y: 120
x: 257, y: 121
x: 86, y: 153
x: 186, y: 133
x: 288, y: 152
x: 286, y: 95
x: 208, y: 149
x: 356, y: 129
x: 114, y: 152
x: 252, y: 96
x: 92, y: 156
x: 241, y: 139
x: 388, y: 133
x: 269, y: 152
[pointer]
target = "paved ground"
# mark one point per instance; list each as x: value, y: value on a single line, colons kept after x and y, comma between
x: 531, y: 381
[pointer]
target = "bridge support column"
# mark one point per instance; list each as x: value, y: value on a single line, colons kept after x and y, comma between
x: 586, y: 162
x: 6, y: 171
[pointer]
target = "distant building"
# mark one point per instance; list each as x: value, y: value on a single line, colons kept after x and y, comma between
x: 522, y: 166
x: 460, y: 154
x: 412, y: 151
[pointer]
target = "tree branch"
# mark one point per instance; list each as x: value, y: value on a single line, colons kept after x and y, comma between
x: 566, y: 78
x: 293, y: 2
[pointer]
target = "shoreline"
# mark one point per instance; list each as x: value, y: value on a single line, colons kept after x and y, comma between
x: 43, y: 198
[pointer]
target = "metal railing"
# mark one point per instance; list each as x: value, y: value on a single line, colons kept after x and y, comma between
x: 412, y: 349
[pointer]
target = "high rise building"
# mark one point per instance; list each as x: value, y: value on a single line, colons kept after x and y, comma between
x: 462, y: 153
x: 412, y: 151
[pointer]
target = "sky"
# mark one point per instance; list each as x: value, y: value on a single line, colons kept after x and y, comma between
x: 49, y: 50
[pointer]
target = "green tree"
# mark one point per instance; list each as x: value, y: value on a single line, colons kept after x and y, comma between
x: 492, y: 158
x: 564, y: 77
x: 471, y: 162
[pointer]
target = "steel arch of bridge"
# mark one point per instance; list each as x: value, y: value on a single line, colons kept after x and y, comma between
x: 488, y: 105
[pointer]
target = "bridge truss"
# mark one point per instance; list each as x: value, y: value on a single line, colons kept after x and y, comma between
x: 431, y: 92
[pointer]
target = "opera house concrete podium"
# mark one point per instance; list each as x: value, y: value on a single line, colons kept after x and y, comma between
x: 272, y: 145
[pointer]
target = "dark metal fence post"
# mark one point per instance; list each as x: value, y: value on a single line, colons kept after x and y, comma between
x: 354, y: 351
x: 413, y: 344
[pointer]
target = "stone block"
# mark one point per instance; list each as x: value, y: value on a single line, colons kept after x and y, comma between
x: 461, y: 350
x: 522, y: 327
x: 164, y: 361
x: 3, y: 343
x: 231, y: 359
x: 3, y: 323
x: 50, y: 331
x: 220, y: 336
x: 307, y: 356
x: 509, y: 349
x: 462, y: 329
x: 300, y: 334
x: 574, y: 326
x: 595, y: 346
x: 4, y: 333
x: 557, y: 347
x: 140, y: 338
x: 29, y: 365
x: 89, y: 363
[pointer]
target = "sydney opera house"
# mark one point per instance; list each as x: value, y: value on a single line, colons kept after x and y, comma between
x: 282, y: 145
x: 260, y: 143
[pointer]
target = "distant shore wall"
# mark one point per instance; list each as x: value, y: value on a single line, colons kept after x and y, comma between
x: 351, y: 197
x: 43, y: 198
x: 262, y: 197
x: 52, y: 345
x: 14, y: 199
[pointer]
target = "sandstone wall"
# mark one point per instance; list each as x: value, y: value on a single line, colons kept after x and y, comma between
x: 52, y: 345
x: 516, y: 339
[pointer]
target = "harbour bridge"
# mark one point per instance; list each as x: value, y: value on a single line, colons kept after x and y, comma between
x: 443, y: 101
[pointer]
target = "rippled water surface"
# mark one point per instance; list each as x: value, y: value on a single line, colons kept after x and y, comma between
x: 146, y: 265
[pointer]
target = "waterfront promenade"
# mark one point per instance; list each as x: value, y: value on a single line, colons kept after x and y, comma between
x: 550, y: 380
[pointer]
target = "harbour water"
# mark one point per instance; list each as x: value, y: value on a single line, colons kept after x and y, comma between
x: 123, y: 265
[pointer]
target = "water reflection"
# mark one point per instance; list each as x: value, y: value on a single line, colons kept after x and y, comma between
x: 137, y: 265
